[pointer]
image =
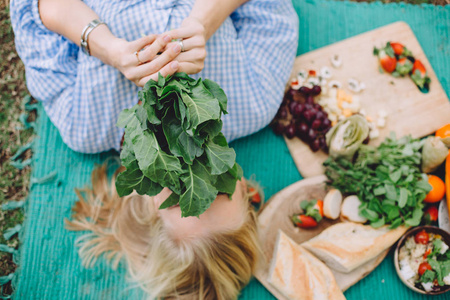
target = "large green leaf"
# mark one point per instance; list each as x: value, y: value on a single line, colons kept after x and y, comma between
x: 218, y: 93
x: 200, y: 109
x: 199, y: 192
x: 155, y: 163
x: 220, y: 156
x: 172, y: 200
x: 180, y: 143
x: 133, y: 179
x: 226, y: 182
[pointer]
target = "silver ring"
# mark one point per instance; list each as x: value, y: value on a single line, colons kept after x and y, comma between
x: 181, y: 45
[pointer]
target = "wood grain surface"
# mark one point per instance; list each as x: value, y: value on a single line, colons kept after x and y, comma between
x: 409, y: 110
x: 276, y: 216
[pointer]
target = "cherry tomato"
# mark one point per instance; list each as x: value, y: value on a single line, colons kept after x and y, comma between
x: 423, y: 267
x: 304, y: 221
x: 422, y: 237
x: 319, y: 207
x: 431, y: 214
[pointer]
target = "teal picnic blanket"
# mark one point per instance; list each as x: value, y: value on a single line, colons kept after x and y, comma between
x: 49, y: 264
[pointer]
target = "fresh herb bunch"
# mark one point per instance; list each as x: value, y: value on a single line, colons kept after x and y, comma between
x: 387, y: 179
x: 174, y: 140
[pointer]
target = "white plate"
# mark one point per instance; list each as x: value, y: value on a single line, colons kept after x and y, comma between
x: 443, y: 218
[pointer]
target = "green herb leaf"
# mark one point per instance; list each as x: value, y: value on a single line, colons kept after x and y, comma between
x: 387, y: 180
x: 403, y: 197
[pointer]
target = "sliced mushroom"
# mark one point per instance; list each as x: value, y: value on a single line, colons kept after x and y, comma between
x: 325, y: 72
x: 336, y: 61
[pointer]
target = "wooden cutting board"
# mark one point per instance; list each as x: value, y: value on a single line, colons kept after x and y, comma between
x: 409, y: 110
x: 275, y: 217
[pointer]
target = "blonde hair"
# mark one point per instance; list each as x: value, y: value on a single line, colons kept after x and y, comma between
x: 214, y: 267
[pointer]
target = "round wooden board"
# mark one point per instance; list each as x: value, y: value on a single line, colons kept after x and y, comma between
x: 276, y: 216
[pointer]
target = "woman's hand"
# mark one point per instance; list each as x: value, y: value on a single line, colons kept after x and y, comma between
x: 139, y: 61
x: 193, y: 34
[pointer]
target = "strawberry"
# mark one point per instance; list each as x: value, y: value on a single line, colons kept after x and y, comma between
x: 418, y: 65
x: 399, y: 49
x: 403, y: 67
x: 313, y: 208
x: 387, y: 58
x: 419, y: 74
x: 304, y: 221
x: 255, y: 198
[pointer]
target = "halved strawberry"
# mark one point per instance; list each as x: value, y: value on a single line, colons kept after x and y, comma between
x: 387, y: 63
x: 419, y: 74
x: 387, y: 58
x: 399, y: 49
x: 418, y: 65
x: 303, y: 221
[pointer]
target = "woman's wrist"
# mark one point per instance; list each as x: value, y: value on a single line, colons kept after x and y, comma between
x: 102, y: 43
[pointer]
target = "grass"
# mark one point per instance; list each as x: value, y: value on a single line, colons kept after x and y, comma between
x: 14, y: 183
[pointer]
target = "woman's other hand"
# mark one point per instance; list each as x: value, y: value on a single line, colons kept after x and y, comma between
x: 139, y: 61
x: 193, y: 34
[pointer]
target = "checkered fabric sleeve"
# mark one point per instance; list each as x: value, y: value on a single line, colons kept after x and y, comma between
x: 250, y: 57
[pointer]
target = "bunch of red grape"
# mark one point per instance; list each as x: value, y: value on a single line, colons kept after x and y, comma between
x: 300, y: 116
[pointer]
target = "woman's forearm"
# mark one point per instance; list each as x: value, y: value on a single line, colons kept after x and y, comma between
x: 212, y: 13
x: 69, y: 17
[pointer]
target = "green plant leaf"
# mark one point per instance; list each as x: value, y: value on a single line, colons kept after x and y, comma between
x: 218, y: 93
x: 172, y: 200
x: 133, y: 179
x: 220, y: 156
x: 201, y: 107
x: 180, y: 143
x: 155, y: 163
x: 226, y: 182
x: 199, y: 192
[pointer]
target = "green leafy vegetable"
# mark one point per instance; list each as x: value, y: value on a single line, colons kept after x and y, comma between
x: 387, y: 179
x: 174, y: 140
x: 428, y: 276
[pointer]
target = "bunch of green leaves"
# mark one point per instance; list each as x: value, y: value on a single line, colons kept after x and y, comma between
x: 387, y: 179
x: 440, y: 263
x: 174, y: 140
x: 309, y: 208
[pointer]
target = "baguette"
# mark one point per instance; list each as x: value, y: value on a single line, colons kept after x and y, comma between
x: 298, y: 275
x: 346, y: 246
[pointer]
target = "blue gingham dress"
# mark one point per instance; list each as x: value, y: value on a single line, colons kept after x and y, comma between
x: 250, y: 57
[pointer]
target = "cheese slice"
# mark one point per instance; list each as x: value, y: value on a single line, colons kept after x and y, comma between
x: 298, y: 275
